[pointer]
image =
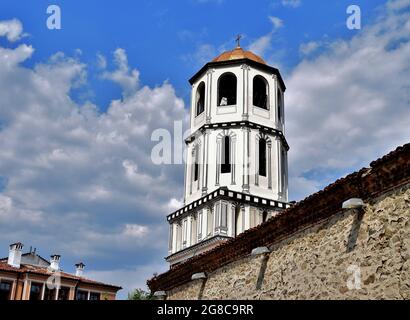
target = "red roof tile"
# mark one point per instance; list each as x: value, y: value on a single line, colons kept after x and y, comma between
x: 43, y: 271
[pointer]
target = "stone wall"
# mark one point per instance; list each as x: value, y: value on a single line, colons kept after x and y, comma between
x: 321, y: 261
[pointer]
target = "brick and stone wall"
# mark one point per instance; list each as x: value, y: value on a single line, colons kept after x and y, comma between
x: 317, y: 263
x: 317, y: 249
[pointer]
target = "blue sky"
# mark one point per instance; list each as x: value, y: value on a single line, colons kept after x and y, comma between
x: 171, y: 31
x: 78, y: 106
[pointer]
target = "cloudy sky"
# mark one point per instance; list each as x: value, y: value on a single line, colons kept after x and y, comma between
x: 78, y: 107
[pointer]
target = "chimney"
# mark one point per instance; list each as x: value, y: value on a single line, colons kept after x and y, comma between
x: 15, y: 254
x: 79, y: 268
x: 55, y: 262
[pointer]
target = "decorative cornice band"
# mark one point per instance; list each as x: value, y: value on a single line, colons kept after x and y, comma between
x: 239, y: 124
x: 196, y: 247
x: 225, y: 193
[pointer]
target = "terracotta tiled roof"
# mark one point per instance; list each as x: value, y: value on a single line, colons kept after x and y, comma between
x: 237, y: 54
x: 25, y: 268
x: 385, y: 174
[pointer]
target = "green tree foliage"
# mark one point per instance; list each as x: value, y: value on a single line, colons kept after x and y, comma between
x: 139, y: 294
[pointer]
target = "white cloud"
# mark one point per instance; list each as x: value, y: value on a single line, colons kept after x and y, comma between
x: 101, y: 61
x: 398, y: 4
x: 175, y: 204
x: 135, y: 231
x: 11, y: 29
x: 9, y: 58
x: 203, y: 54
x: 81, y: 181
x: 260, y: 45
x: 350, y: 104
x: 128, y: 79
x: 10, y: 214
x: 309, y: 47
x: 277, y: 22
x: 291, y: 3
x: 263, y: 43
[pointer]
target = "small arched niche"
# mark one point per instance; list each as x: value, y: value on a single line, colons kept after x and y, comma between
x: 260, y: 92
x: 200, y: 98
x: 227, y: 89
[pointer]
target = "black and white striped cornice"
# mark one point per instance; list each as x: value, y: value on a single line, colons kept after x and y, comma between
x: 239, y: 124
x: 225, y: 193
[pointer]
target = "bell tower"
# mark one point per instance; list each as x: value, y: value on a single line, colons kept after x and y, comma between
x: 236, y: 173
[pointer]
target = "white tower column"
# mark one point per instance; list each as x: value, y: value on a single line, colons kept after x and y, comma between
x: 246, y: 158
x: 189, y: 231
x: 233, y: 160
x: 269, y: 165
x: 257, y: 161
x: 205, y: 163
x: 218, y: 160
x: 209, y: 95
x: 245, y: 73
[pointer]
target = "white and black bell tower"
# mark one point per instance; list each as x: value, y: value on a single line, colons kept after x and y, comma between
x: 236, y: 173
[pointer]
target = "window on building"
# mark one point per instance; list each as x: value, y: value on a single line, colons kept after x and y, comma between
x: 36, y: 290
x: 196, y: 164
x: 260, y: 92
x: 63, y: 293
x: 5, y: 290
x: 264, y: 216
x: 280, y: 107
x: 226, y: 159
x: 238, y: 217
x: 49, y: 294
x: 227, y: 90
x: 262, y: 157
x: 95, y: 296
x: 81, y: 295
x: 200, y: 99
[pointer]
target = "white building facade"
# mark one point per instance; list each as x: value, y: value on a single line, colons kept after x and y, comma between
x: 236, y: 173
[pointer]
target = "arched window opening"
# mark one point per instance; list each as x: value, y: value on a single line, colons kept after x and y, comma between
x: 260, y: 92
x: 264, y: 216
x: 196, y: 164
x: 200, y: 99
x: 227, y: 90
x: 280, y: 106
x: 262, y: 157
x: 226, y: 159
x: 237, y: 220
